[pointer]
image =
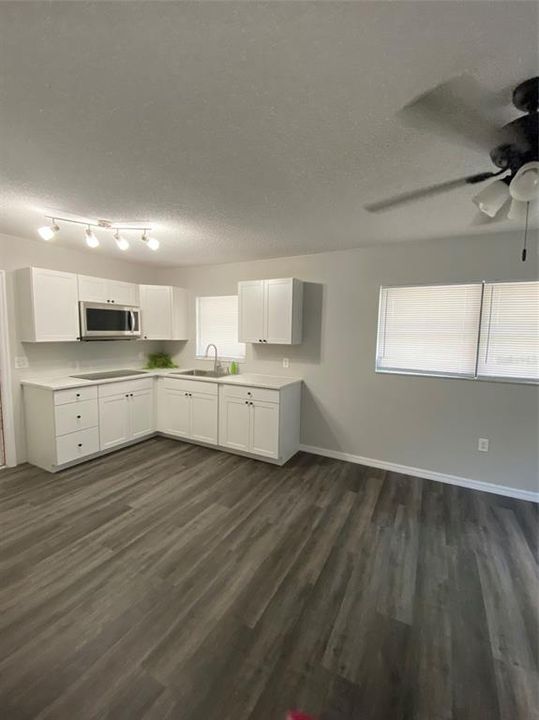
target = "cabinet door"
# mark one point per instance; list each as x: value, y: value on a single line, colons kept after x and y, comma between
x: 174, y: 412
x: 122, y: 293
x: 113, y: 421
x: 251, y: 311
x: 55, y: 306
x: 156, y: 312
x: 234, y: 423
x: 278, y: 311
x: 204, y: 417
x: 141, y: 409
x: 92, y: 289
x: 264, y: 429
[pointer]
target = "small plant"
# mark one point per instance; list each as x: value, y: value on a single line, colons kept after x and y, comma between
x: 159, y: 361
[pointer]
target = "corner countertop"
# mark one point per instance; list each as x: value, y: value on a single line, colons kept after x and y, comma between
x: 63, y: 382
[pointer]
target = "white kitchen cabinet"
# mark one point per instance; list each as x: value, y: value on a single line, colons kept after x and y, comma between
x: 47, y: 305
x: 101, y: 290
x: 164, y: 312
x: 113, y: 421
x: 259, y: 421
x: 235, y: 423
x: 126, y: 412
x: 61, y: 427
x: 188, y: 409
x: 270, y: 311
x: 264, y: 428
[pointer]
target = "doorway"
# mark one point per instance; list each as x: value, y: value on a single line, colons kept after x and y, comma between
x: 7, y: 436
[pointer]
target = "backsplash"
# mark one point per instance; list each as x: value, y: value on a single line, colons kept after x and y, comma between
x: 66, y: 358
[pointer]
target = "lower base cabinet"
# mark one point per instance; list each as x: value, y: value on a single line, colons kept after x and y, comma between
x: 188, y: 409
x: 67, y: 426
x: 126, y: 412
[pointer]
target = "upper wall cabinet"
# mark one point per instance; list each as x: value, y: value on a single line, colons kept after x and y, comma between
x: 270, y: 311
x: 164, y: 312
x: 47, y: 305
x: 94, y: 289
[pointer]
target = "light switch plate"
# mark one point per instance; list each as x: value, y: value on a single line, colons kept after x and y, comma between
x: 482, y: 445
x: 21, y: 362
x: 285, y: 362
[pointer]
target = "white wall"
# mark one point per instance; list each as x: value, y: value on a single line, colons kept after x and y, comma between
x: 65, y: 358
x: 422, y: 422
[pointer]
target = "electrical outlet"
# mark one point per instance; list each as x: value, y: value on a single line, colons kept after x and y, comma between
x: 21, y: 362
x: 482, y: 445
x: 285, y: 362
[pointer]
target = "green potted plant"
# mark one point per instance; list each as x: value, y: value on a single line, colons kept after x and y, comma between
x: 159, y: 361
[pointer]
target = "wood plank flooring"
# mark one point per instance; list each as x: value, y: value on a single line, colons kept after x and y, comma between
x: 173, y: 581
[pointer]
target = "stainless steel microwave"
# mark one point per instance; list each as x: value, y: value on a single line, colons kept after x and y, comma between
x: 101, y: 321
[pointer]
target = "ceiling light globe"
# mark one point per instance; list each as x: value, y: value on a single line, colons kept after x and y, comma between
x: 153, y: 243
x: 91, y: 239
x: 491, y: 199
x: 525, y: 185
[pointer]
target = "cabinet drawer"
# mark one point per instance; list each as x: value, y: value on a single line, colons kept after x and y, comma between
x: 78, y: 394
x: 75, y: 416
x: 246, y: 392
x: 198, y: 386
x: 76, y: 445
x: 125, y: 387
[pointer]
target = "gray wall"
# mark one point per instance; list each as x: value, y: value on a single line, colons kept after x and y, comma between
x: 64, y: 358
x: 423, y: 422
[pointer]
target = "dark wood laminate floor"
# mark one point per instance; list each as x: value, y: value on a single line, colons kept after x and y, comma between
x: 174, y: 581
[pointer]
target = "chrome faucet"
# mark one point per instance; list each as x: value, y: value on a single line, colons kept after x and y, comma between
x: 216, y: 364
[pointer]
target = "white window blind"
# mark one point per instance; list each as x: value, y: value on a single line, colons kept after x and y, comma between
x: 217, y: 322
x: 509, y: 344
x: 429, y: 330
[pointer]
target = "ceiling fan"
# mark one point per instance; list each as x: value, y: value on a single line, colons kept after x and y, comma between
x: 461, y: 109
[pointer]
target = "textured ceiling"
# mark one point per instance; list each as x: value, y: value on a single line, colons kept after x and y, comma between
x: 243, y: 129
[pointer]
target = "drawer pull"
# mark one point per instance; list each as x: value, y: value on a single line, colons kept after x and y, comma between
x: 79, y: 417
x: 78, y: 395
x: 80, y: 445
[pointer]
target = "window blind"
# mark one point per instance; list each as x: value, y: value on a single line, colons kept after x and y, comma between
x: 217, y: 322
x: 429, y: 330
x: 509, y: 341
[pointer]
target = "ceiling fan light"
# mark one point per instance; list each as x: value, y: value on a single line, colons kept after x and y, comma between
x: 491, y: 199
x: 47, y: 232
x: 121, y: 242
x: 525, y: 185
x: 517, y: 210
x: 91, y: 239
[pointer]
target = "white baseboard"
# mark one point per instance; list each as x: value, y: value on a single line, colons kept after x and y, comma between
x: 427, y: 474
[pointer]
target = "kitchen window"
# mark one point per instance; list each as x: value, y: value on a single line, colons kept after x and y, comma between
x: 217, y: 323
x: 476, y: 330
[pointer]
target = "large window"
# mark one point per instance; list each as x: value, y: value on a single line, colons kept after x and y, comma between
x: 479, y: 330
x: 217, y: 322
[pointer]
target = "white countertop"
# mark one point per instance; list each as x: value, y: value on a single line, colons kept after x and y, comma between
x: 62, y: 382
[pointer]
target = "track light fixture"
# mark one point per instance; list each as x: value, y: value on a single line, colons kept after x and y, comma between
x: 121, y: 242
x: 47, y: 232
x: 91, y: 239
x: 151, y: 242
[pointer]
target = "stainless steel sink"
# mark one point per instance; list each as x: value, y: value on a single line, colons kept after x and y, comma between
x: 107, y: 375
x: 198, y: 373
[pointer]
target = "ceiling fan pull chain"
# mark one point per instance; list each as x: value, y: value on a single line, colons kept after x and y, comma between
x: 524, y: 249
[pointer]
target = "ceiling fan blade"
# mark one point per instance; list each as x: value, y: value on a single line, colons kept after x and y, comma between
x: 429, y: 191
x: 457, y: 109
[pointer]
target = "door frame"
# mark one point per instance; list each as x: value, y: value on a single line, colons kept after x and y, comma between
x: 6, y: 386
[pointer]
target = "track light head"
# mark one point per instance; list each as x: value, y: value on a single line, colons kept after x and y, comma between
x: 121, y: 242
x: 47, y: 232
x: 151, y: 242
x: 91, y: 239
